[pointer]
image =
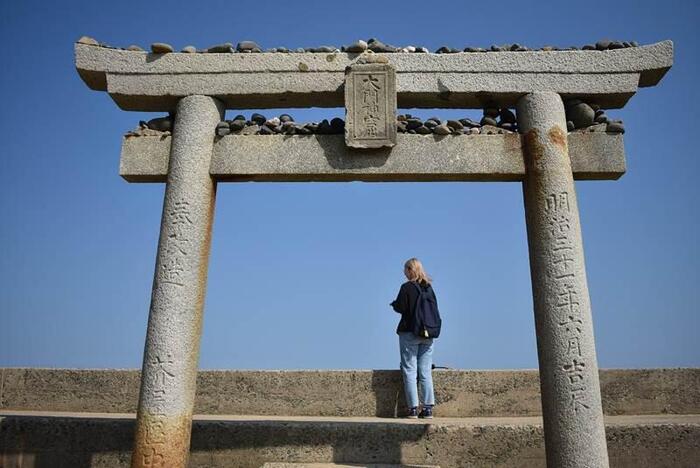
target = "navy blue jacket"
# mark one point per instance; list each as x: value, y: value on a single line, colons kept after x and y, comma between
x: 405, y: 304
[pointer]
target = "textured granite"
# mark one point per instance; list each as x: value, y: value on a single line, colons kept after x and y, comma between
x: 280, y: 158
x: 571, y: 401
x: 154, y: 82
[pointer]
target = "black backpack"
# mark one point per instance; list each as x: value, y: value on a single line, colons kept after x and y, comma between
x: 426, y: 320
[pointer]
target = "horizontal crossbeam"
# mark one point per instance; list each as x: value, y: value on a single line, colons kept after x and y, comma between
x: 325, y: 158
x: 144, y: 81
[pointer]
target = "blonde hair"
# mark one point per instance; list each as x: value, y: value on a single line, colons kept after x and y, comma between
x: 415, y: 272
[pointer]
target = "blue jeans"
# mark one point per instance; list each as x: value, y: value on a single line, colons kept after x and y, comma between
x: 416, y: 367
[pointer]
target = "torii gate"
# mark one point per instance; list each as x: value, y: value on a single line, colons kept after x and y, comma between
x: 199, y: 87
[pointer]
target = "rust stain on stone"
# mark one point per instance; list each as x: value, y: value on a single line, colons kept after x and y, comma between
x: 531, y: 143
x: 558, y: 137
x: 161, y: 441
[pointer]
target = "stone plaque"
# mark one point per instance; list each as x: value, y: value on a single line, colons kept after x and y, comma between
x: 370, y: 105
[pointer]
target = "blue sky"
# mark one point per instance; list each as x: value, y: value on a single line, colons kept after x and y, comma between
x: 301, y: 275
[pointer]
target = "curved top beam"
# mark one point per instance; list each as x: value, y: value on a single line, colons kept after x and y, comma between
x: 146, y: 81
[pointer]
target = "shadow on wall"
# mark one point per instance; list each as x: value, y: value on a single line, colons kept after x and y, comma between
x: 50, y: 442
x: 387, y: 387
x: 58, y: 442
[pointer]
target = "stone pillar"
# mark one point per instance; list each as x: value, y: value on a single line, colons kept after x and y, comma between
x: 171, y: 354
x: 571, y: 405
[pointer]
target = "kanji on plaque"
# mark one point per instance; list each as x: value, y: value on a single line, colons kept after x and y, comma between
x: 370, y: 106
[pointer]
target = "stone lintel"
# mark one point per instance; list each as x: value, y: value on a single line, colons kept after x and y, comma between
x: 153, y: 82
x: 325, y: 158
x: 144, y: 93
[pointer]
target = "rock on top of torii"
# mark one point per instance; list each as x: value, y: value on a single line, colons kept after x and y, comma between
x: 143, y: 81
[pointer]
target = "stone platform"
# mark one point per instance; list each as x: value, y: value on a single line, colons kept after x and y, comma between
x: 77, y: 440
x: 84, y: 418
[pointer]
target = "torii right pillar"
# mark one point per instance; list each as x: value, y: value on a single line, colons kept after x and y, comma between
x: 574, y: 429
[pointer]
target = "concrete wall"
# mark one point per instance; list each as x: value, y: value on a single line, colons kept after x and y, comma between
x: 345, y: 393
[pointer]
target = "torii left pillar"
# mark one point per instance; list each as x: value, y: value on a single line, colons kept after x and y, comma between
x: 171, y: 355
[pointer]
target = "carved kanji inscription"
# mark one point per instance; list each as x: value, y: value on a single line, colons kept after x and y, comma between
x: 370, y: 106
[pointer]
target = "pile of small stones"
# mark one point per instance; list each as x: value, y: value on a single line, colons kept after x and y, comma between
x: 580, y: 116
x: 604, y: 44
x: 258, y: 124
x: 495, y: 121
x: 360, y: 46
x: 589, y: 117
x: 160, y: 126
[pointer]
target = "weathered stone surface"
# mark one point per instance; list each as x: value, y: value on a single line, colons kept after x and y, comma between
x: 442, y: 129
x: 357, y: 47
x: 571, y: 400
x: 249, y: 442
x: 414, y: 158
x: 87, y: 40
x: 174, y: 323
x: 161, y: 48
x: 226, y: 47
x: 580, y: 113
x: 223, y: 129
x: 459, y: 393
x: 615, y: 127
x: 455, y: 124
x: 248, y: 46
x: 370, y: 106
x: 258, y: 118
x: 237, y: 125
x: 250, y: 130
x: 490, y: 121
x: 162, y: 124
x: 378, y: 46
x: 422, y: 80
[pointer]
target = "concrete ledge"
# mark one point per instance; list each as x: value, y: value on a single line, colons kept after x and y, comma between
x: 346, y: 393
x: 250, y: 442
x: 317, y: 158
x: 154, y: 82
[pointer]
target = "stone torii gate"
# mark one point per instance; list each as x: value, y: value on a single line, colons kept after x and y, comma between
x: 198, y: 87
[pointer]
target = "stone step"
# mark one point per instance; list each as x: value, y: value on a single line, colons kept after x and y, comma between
x: 104, y: 440
x: 459, y: 393
x: 336, y: 465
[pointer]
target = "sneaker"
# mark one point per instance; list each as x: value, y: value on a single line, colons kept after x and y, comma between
x: 412, y: 413
x: 426, y: 413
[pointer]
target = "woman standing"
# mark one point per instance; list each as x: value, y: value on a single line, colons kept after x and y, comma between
x: 416, y: 351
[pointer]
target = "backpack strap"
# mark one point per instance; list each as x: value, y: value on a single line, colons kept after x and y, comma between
x: 420, y: 292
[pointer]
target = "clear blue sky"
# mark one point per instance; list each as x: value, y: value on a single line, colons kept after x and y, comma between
x: 311, y: 268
